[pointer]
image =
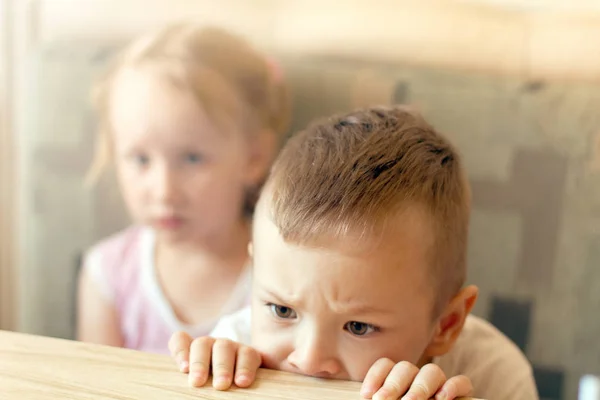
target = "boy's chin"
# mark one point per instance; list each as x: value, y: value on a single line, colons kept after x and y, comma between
x: 285, y: 367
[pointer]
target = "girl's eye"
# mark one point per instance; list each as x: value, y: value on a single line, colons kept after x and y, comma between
x: 141, y: 160
x: 282, y: 312
x: 360, y: 328
x: 193, y: 158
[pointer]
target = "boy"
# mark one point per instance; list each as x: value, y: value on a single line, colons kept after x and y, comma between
x: 359, y: 254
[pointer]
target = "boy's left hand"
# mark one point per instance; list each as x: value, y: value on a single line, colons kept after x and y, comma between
x: 388, y: 380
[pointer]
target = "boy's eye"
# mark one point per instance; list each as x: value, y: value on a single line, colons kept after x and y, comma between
x: 282, y: 311
x: 193, y: 158
x: 359, y: 328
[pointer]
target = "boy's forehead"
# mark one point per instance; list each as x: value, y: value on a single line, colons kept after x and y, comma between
x: 262, y: 226
x: 398, y: 246
x: 410, y: 225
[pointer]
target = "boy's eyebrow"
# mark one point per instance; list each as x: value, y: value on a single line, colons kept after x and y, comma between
x: 361, y: 308
x: 274, y: 295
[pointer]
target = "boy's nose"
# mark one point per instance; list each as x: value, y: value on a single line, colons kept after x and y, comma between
x: 315, y: 359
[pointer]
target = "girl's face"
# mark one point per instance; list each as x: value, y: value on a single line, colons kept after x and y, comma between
x: 179, y: 174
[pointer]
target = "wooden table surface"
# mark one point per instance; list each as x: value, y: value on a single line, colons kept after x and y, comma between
x: 35, y: 367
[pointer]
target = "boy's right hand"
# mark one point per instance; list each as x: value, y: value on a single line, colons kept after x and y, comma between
x: 231, y: 362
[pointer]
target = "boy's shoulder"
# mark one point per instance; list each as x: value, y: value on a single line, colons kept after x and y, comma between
x: 481, y: 334
x: 236, y: 326
x: 495, y: 365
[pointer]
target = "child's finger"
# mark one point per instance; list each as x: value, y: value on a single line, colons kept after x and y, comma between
x: 457, y: 386
x: 376, y: 376
x: 200, y: 355
x: 247, y: 363
x: 397, y: 382
x: 426, y: 384
x: 179, y: 347
x: 223, y: 360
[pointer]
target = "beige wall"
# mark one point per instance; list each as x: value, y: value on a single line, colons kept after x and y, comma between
x: 517, y: 40
x: 17, y: 38
x: 542, y: 5
x: 6, y: 173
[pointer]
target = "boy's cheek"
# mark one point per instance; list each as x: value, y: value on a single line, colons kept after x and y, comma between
x: 359, y: 365
x: 272, y: 354
x: 270, y: 361
x: 394, y: 347
x: 273, y: 347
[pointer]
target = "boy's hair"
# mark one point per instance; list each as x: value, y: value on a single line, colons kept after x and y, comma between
x: 350, y: 173
x: 235, y: 85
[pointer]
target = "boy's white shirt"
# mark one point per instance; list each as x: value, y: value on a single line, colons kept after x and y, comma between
x: 495, y: 365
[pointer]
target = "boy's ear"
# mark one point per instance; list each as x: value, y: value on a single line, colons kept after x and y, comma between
x: 451, y: 322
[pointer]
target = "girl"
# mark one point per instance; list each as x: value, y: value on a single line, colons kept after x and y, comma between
x: 191, y: 119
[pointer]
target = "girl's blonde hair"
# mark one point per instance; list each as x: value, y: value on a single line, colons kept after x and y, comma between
x: 237, y: 87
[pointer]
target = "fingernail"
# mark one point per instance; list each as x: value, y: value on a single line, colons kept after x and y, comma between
x: 183, y: 365
x: 366, y: 391
x: 381, y: 394
x: 442, y: 395
x: 196, y: 377
x: 220, y: 381
x: 242, y: 378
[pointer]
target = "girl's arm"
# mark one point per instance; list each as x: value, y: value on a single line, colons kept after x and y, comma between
x: 97, y: 318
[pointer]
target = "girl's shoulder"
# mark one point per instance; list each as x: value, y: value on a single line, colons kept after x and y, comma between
x: 118, y: 250
x: 120, y: 242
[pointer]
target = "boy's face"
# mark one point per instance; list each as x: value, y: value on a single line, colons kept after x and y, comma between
x: 333, y: 308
